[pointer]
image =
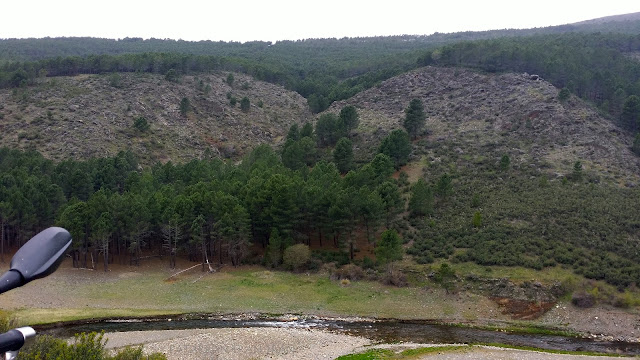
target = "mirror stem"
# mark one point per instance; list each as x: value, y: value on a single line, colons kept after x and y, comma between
x: 10, y: 280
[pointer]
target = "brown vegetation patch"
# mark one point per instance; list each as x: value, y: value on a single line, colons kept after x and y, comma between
x: 523, y: 309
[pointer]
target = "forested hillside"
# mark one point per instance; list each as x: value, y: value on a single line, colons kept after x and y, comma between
x: 511, y: 148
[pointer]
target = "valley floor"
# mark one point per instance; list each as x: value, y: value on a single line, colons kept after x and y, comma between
x: 126, y: 291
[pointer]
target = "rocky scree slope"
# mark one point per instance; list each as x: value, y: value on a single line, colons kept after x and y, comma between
x: 93, y: 115
x: 480, y: 117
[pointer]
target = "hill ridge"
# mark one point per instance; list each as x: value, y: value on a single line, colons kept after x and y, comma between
x: 496, y: 114
x: 87, y: 116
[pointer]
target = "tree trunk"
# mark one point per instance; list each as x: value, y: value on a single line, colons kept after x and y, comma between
x: 366, y: 225
x: 204, y: 254
x: 106, y: 259
x: 351, y: 250
x: 2, y: 240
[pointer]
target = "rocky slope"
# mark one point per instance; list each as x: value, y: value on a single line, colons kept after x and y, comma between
x: 93, y: 115
x: 481, y: 116
x: 473, y: 118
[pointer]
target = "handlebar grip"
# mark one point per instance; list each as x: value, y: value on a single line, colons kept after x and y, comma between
x: 13, y: 340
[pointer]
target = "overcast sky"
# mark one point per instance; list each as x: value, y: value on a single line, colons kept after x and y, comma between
x: 271, y: 20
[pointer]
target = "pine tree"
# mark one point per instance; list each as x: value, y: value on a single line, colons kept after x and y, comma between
x: 245, y: 104
x: 343, y: 155
x: 185, y: 106
x: 349, y: 117
x: 307, y: 130
x: 636, y: 145
x: 505, y: 162
x: 444, y: 187
x: 421, y: 201
x: 631, y: 112
x: 414, y: 117
x: 391, y: 199
x: 274, y: 249
x: 389, y: 248
x: 397, y: 146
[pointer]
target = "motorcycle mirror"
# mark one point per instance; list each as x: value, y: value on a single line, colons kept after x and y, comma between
x: 39, y: 257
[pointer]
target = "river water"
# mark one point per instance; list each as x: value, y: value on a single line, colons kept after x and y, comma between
x: 380, y: 330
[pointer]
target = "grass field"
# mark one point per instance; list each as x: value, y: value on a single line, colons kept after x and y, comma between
x: 150, y: 290
x: 71, y: 295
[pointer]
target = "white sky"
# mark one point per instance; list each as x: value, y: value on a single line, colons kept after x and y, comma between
x: 246, y: 20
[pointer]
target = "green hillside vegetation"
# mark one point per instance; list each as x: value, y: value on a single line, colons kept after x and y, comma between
x: 212, y: 211
x: 505, y: 170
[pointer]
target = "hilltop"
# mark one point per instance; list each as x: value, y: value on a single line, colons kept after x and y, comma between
x: 482, y: 117
x: 479, y: 116
x: 88, y: 116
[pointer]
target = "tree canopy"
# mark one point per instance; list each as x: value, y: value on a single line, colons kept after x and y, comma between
x: 414, y: 117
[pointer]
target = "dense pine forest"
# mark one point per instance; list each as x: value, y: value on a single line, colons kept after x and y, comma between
x: 310, y: 190
x: 213, y: 211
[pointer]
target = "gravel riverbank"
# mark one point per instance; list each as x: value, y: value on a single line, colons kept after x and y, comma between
x: 241, y: 343
x: 295, y: 344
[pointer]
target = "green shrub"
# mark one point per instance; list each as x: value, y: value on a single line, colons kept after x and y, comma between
x: 327, y: 256
x: 245, y: 104
x: 141, y: 124
x: 295, y: 257
x: 85, y: 346
x: 6, y: 322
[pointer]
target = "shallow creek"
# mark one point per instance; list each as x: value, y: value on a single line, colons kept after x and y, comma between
x: 379, y: 330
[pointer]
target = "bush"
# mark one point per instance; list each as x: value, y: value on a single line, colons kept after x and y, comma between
x: 326, y: 256
x: 245, y: 104
x: 350, y: 271
x: 185, y: 106
x: 296, y: 256
x: 394, y: 277
x: 368, y: 263
x: 85, y: 346
x: 171, y: 75
x: 564, y: 94
x: 445, y: 276
x: 129, y: 353
x: 141, y: 124
x: 89, y: 346
x: 583, y: 300
x: 6, y: 323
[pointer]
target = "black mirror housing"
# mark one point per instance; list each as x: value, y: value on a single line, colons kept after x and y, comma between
x: 41, y: 255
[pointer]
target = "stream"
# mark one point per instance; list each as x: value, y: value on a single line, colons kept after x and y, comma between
x: 379, y: 330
